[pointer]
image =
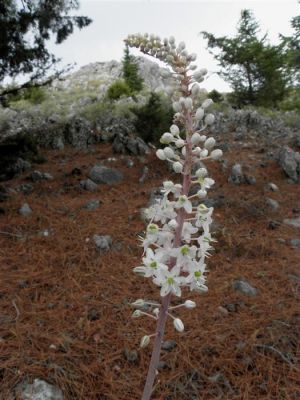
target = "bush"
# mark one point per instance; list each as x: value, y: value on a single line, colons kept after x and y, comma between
x: 117, y: 89
x: 216, y: 96
x: 34, y: 95
x: 153, y: 118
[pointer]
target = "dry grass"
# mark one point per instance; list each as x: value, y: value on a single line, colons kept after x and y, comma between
x: 64, y: 306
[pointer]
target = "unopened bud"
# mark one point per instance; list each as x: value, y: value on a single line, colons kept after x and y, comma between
x: 144, y: 341
x: 136, y: 314
x: 161, y: 155
x: 174, y: 130
x: 179, y: 143
x: 216, y: 154
x: 195, y: 139
x: 209, y: 143
x: 207, y: 103
x: 199, y: 114
x: 177, y: 167
x: 178, y: 325
x: 166, y: 138
x: 169, y: 152
x: 138, y: 303
x: 201, y: 173
x: 209, y: 119
x: 189, y: 304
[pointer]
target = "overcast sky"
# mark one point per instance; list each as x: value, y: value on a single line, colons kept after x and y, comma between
x: 113, y: 20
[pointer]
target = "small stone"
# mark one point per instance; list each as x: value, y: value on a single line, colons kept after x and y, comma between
x: 273, y: 225
x: 222, y: 310
x: 295, y: 243
x: 273, y: 204
x: 89, y: 185
x: 131, y: 355
x: 251, y: 180
x: 272, y: 187
x: 102, y: 174
x: 130, y: 163
x: 244, y: 287
x: 169, y: 345
x: 38, y: 390
x: 25, y: 188
x: 295, y: 222
x: 92, y: 204
x: 103, y: 242
x: 163, y: 365
x: 36, y: 176
x: 237, y: 176
x: 25, y: 210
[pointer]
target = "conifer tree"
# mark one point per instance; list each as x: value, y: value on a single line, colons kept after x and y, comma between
x: 131, y: 72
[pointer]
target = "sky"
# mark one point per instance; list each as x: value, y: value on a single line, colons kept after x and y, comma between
x: 113, y: 20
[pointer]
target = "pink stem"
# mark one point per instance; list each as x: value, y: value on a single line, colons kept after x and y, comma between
x: 162, y: 317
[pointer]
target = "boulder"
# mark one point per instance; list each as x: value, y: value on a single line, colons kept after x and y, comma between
x: 38, y: 390
x: 78, y: 133
x: 102, y: 242
x: 102, y: 174
x: 289, y: 160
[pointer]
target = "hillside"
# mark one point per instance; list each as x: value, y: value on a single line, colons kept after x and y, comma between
x: 65, y: 314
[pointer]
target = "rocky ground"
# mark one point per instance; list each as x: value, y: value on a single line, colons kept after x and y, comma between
x: 68, y: 242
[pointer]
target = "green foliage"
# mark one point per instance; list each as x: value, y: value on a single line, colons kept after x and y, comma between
x: 117, y: 89
x: 40, y: 20
x: 291, y: 101
x: 153, y: 118
x: 131, y: 72
x: 216, y: 96
x: 252, y: 66
x: 34, y: 95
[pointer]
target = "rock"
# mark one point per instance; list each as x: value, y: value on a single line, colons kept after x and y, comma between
x: 57, y: 143
x: 102, y: 174
x: 144, y: 176
x: 244, y: 287
x: 25, y: 188
x: 25, y: 210
x: 102, y: 242
x: 273, y: 204
x: 92, y: 204
x: 289, y: 160
x: 36, y: 176
x: 89, y: 185
x: 169, y: 345
x: 163, y: 365
x: 273, y: 225
x: 272, y: 187
x: 38, y: 390
x: 251, y: 180
x: 125, y: 144
x: 295, y: 222
x: 78, y: 133
x: 131, y: 355
x: 295, y: 243
x: 237, y: 176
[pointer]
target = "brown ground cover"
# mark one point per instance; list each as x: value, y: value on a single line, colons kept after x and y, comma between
x: 65, y: 314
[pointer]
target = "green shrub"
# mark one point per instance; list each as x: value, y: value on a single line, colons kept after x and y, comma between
x: 117, y: 89
x: 131, y: 72
x: 153, y: 118
x: 216, y: 96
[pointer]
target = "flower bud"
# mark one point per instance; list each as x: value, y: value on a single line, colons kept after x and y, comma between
x: 171, y: 40
x: 176, y: 106
x: 199, y: 114
x: 155, y: 311
x: 207, y: 103
x: 177, y: 167
x: 165, y: 73
x: 188, y: 103
x: 138, y: 303
x: 197, y: 151
x: 178, y: 325
x: 136, y: 314
x: 152, y: 228
x: 204, y: 153
x: 173, y: 223
x: 193, y: 57
x: 179, y: 143
x: 201, y: 173
x: 174, y: 130
x: 181, y: 46
x: 216, y: 154
x: 161, y: 155
x: 209, y: 119
x: 195, y: 89
x: 203, y: 71
x: 193, y: 67
x: 144, y: 341
x: 166, y: 138
x: 202, y: 194
x: 189, y: 304
x: 169, y: 152
x: 209, y: 143
x: 139, y: 271
x: 195, y: 139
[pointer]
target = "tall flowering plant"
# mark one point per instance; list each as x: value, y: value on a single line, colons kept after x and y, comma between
x: 178, y: 238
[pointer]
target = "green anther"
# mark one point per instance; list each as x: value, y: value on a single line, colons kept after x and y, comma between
x: 184, y: 251
x: 182, y: 199
x: 170, y: 281
x: 197, y: 274
x: 152, y: 228
x: 153, y: 264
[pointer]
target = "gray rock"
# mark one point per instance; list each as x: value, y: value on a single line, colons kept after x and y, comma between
x: 131, y: 355
x: 273, y: 204
x: 89, y: 185
x: 295, y: 222
x: 272, y: 187
x: 125, y: 144
x: 25, y: 210
x: 289, y: 160
x: 237, y: 176
x: 92, y: 204
x: 296, y: 243
x: 36, y: 176
x: 169, y: 345
x: 102, y: 242
x: 38, y: 390
x: 25, y: 188
x: 58, y: 143
x: 102, y: 174
x: 78, y: 133
x: 145, y: 173
x: 244, y: 287
x: 251, y: 180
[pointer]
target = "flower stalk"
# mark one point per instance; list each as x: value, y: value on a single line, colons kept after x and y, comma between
x: 177, y: 239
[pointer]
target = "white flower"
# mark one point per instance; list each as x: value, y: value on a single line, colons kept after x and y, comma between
x: 170, y: 187
x: 209, y: 119
x: 161, y: 155
x: 167, y: 138
x: 152, y: 263
x: 184, y: 202
x: 189, y: 304
x: 184, y: 256
x: 188, y: 230
x: 144, y: 341
x: 207, y: 103
x: 177, y: 167
x: 169, y: 281
x: 216, y: 154
x: 178, y: 325
x: 174, y: 130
